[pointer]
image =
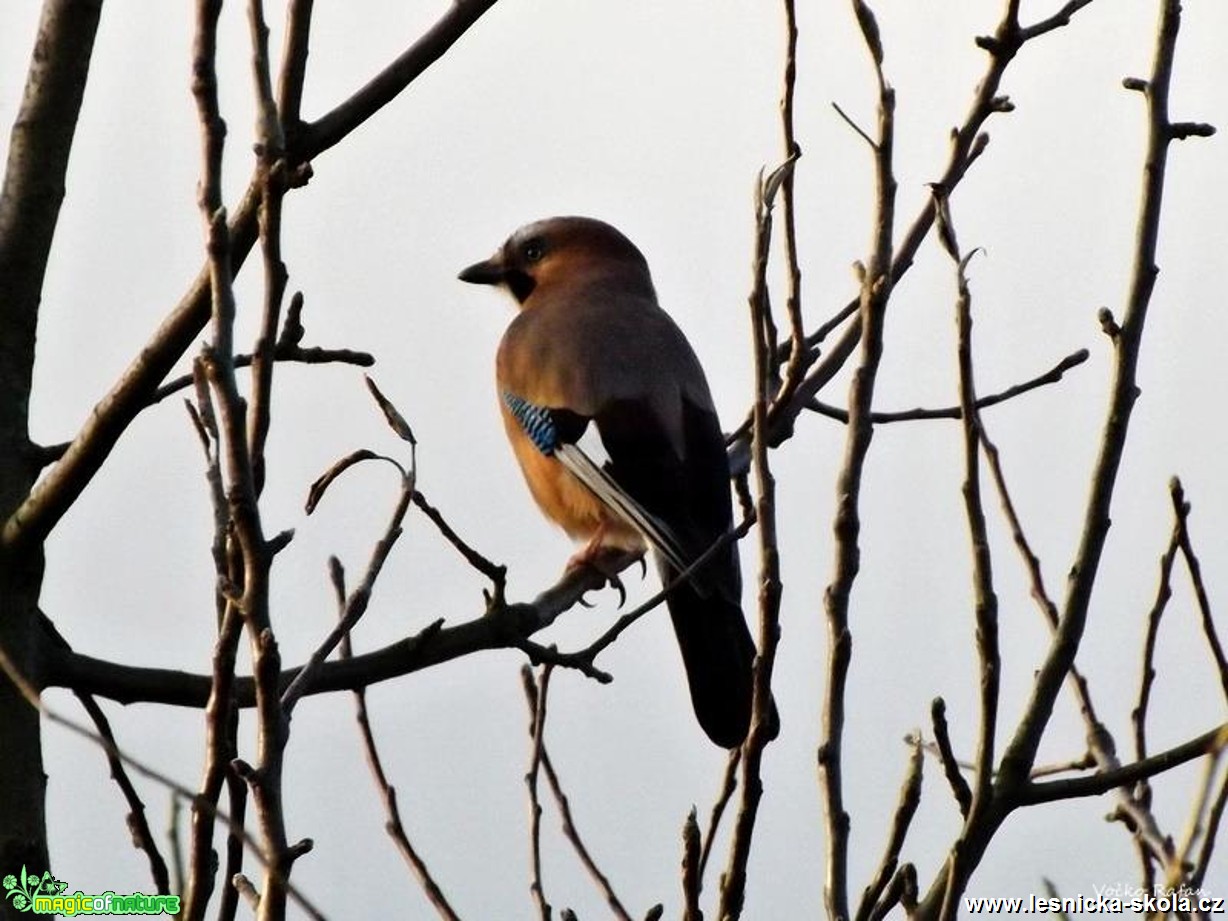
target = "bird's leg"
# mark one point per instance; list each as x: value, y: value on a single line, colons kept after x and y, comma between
x: 592, y: 551
x: 607, y: 559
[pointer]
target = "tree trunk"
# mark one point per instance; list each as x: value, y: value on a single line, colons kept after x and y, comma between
x: 30, y: 202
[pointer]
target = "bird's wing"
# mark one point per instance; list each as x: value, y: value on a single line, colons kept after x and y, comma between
x: 555, y: 432
x: 674, y: 465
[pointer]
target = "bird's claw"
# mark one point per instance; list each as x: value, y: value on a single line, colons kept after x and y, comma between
x: 614, y: 582
x: 608, y: 562
x: 617, y: 584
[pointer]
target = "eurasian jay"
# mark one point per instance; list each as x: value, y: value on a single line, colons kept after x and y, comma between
x: 591, y: 344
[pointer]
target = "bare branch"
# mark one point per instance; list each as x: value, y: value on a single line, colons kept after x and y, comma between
x: 729, y: 786
x: 1215, y: 817
x: 271, y: 175
x: 875, y: 292
x: 503, y: 627
x: 1056, y: 21
x: 394, y: 826
x: 294, y: 65
x: 906, y: 808
x: 283, y: 352
x: 986, y: 602
x: 496, y: 573
x: 1052, y: 376
x: 323, y: 133
x: 1163, y: 593
x: 793, y: 294
x: 1197, y: 827
x: 1181, y: 509
x: 848, y: 120
x: 764, y: 719
x: 1050, y: 791
x: 537, y: 727
x: 570, y: 831
x: 356, y: 604
x: 142, y: 837
x: 950, y: 766
x: 692, y: 869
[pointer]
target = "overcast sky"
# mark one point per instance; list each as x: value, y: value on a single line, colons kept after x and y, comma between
x: 655, y: 117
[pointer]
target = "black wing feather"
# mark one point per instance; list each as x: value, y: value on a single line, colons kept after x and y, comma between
x: 690, y: 495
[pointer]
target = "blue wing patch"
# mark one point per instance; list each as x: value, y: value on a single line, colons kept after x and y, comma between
x: 553, y: 432
x: 536, y: 421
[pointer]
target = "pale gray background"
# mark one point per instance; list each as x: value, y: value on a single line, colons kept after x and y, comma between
x: 655, y: 117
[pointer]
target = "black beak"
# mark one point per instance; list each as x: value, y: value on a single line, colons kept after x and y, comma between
x: 487, y: 272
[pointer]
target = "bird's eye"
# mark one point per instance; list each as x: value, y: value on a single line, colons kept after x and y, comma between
x: 534, y: 250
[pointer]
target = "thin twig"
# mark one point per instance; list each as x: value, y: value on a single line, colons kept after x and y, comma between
x: 1181, y: 509
x: 1099, y: 739
x: 764, y: 719
x: 989, y: 655
x: 271, y: 174
x: 138, y: 825
x: 1214, y: 818
x: 173, y: 818
x: 394, y: 826
x: 1138, y: 716
x: 906, y: 808
x: 876, y: 284
x: 1197, y: 825
x: 221, y: 715
x: 950, y: 766
x: 796, y: 367
x: 692, y: 869
x: 1094, y: 785
x: 1127, y: 345
x: 1164, y: 593
x: 358, y: 600
x: 493, y: 571
x: 1052, y: 376
x: 537, y: 726
x: 570, y: 831
x: 848, y: 120
x: 236, y: 797
x: 142, y: 837
x: 729, y: 785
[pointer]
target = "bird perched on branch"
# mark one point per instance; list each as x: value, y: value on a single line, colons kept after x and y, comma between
x: 591, y: 345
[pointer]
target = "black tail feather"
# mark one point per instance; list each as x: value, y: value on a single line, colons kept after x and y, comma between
x: 719, y: 656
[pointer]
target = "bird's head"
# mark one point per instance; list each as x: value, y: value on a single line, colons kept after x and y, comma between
x: 557, y: 248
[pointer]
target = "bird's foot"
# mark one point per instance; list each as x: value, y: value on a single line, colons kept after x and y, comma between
x: 608, y: 561
x: 591, y: 552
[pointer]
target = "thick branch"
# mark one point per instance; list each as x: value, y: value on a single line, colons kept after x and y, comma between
x: 505, y: 627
